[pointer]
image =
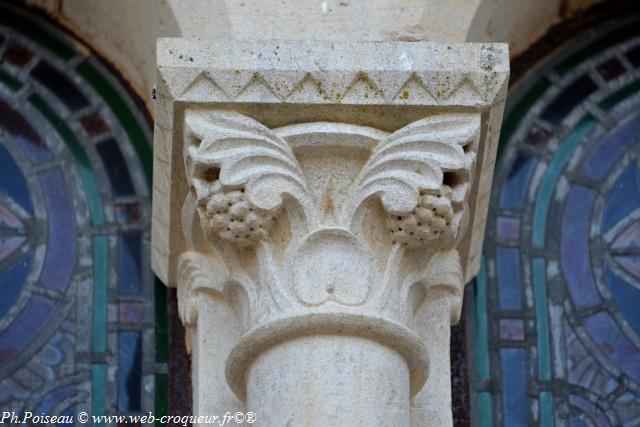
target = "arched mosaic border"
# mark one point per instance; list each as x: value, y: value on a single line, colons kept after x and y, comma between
x: 555, y: 307
x: 82, y: 322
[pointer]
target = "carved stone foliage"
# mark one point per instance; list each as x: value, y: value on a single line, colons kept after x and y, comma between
x: 325, y: 228
x: 338, y: 217
x: 316, y: 200
x: 394, y: 91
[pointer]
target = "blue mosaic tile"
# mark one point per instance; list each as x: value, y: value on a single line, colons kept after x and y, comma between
x: 12, y: 280
x: 508, y: 266
x: 129, y: 371
x: 131, y: 312
x: 69, y: 413
x: 116, y: 167
x: 25, y: 327
x: 13, y: 183
x: 614, y: 344
x: 62, y: 219
x: 514, y: 387
x: 611, y: 146
x: 508, y: 229
x: 626, y: 297
x: 586, y: 370
x: 61, y: 250
x: 577, y: 422
x: 55, y: 397
x: 130, y: 263
x: 10, y: 244
x: 24, y: 134
x: 512, y: 329
x: 547, y: 187
x: 512, y: 196
x: 576, y: 262
x: 60, y: 85
x: 631, y: 263
x: 570, y: 97
x: 571, y: 354
x: 629, y: 238
x: 594, y: 414
x: 623, y: 198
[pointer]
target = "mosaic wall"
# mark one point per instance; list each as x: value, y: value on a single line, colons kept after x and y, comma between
x: 556, y: 308
x: 79, y: 328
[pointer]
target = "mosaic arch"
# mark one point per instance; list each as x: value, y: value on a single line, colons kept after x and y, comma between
x: 79, y: 328
x: 557, y: 304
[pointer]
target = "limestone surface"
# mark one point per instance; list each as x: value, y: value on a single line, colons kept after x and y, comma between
x: 320, y: 206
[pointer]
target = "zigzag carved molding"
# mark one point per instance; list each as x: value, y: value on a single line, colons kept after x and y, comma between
x: 383, y: 73
x: 361, y: 88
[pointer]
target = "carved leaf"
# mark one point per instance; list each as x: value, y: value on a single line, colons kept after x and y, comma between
x: 245, y: 154
x: 415, y: 158
x: 331, y: 265
x: 195, y: 273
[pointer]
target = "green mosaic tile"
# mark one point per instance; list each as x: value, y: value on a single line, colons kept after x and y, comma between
x: 620, y: 95
x: 542, y: 319
x: 484, y: 404
x: 482, y: 326
x: 577, y: 362
x: 82, y: 161
x: 546, y: 409
x: 547, y: 187
x: 123, y: 113
x: 33, y: 31
x: 162, y: 323
x: 10, y: 81
x: 610, y: 39
x: 100, y: 295
x: 98, y: 389
x: 513, y: 118
x: 161, y: 396
x: 73, y: 215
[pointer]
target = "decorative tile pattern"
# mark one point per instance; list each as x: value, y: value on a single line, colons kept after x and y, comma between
x: 78, y: 326
x: 557, y: 304
x: 512, y: 329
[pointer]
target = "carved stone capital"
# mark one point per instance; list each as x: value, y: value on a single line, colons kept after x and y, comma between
x: 318, y: 193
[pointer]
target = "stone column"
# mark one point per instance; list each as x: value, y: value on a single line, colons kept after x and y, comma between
x: 319, y: 206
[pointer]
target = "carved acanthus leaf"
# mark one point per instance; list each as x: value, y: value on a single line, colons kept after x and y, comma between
x: 227, y: 151
x: 444, y: 277
x: 415, y: 158
x: 440, y: 277
x: 421, y: 175
x: 197, y: 272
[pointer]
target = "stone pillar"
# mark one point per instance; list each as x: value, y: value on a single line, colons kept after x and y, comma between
x: 319, y: 206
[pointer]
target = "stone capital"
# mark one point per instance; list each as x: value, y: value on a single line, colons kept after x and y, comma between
x: 319, y: 206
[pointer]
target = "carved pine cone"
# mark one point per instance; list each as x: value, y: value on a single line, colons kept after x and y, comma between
x: 430, y: 222
x: 230, y: 216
